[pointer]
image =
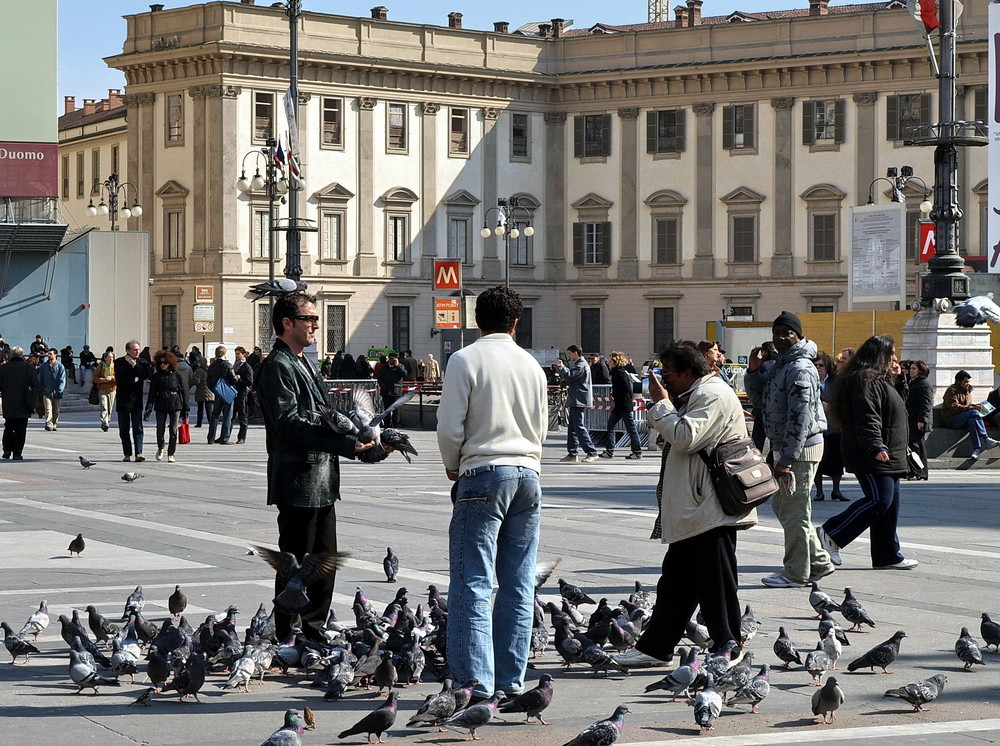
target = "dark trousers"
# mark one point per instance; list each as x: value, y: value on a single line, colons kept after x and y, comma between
x: 129, y: 428
x: 241, y: 414
x: 161, y: 427
x: 393, y: 419
x: 304, y: 531
x: 204, y: 407
x: 15, y: 429
x: 917, y: 446
x: 700, y: 570
x: 876, y: 512
x: 628, y: 419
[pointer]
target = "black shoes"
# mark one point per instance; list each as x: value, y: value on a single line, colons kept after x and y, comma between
x: 839, y: 498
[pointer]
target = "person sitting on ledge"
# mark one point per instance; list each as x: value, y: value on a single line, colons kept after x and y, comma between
x: 960, y: 411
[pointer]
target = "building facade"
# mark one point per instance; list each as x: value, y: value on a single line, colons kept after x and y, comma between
x: 674, y: 173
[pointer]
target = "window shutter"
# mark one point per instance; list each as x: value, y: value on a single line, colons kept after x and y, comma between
x: 892, y: 118
x: 679, y: 116
x: 979, y: 105
x: 808, y: 126
x: 324, y: 246
x: 748, y: 126
x: 925, y: 111
x: 606, y: 135
x: 605, y: 257
x: 578, y: 244
x: 839, y: 122
x: 651, y: 131
x: 578, y: 136
x: 727, y: 127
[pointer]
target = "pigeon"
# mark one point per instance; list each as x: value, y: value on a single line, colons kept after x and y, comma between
x: 158, y: 668
x: 785, y: 649
x: 434, y: 597
x: 641, y: 597
x: 989, y: 630
x: 854, y: 612
x: 977, y: 310
x: 919, y: 693
x: 754, y: 691
x: 719, y: 662
x: 463, y: 695
x: 241, y: 672
x: 820, y: 600
x: 134, y: 603
x: 103, y: 629
x: 391, y: 565
x: 967, y: 650
x: 39, y: 620
x: 603, y: 732
x: 827, y: 622
x: 474, y: 716
x: 832, y: 648
x: 378, y: 721
x: 533, y: 701
x: 177, y: 602
x: 698, y: 634
x: 131, y: 476
x: 274, y: 288
x: 16, y: 645
x: 77, y: 545
x: 86, y: 464
x: 749, y: 624
x: 189, y: 680
x: 123, y: 661
x: 707, y: 705
x: 881, y: 655
x: 289, y: 734
x: 573, y: 594
x: 262, y: 626
x: 385, y: 674
x: 736, y: 677
x: 145, y: 698
x: 825, y: 701
x: 363, y: 423
x: 436, y: 707
x: 544, y: 570
x: 84, y: 674
x: 295, y: 577
x: 70, y: 629
x: 818, y: 663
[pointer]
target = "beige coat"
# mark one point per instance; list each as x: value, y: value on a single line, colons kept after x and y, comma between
x: 711, y: 415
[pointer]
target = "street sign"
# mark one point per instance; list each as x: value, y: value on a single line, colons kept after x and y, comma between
x: 447, y: 274
x: 204, y: 294
x: 447, y: 347
x: 447, y: 313
x: 204, y: 312
x: 204, y: 327
x: 926, y: 241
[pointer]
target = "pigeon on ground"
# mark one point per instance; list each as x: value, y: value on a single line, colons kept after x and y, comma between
x: 854, y: 612
x: 463, y: 695
x: 436, y: 707
x: 785, y: 649
x: 242, y: 671
x: 39, y: 620
x: 641, y: 597
x: 967, y: 650
x: 289, y: 734
x: 385, y: 674
x: 145, y: 698
x: 434, y: 597
x: 295, y: 577
x: 158, y: 668
x: 131, y: 476
x: 919, y: 693
x: 736, y: 677
x: 755, y: 690
x: 680, y: 679
x: 68, y: 629
x: 177, y: 602
x: 749, y: 624
x: 474, y: 716
x: 817, y: 663
x: 568, y: 647
x: 190, y: 679
x: 707, y: 705
x: 103, y: 629
x: 16, y: 645
x: 532, y: 702
x: 573, y: 594
x: 275, y: 288
x: 820, y: 600
x: 84, y: 675
x: 391, y: 565
x: 123, y: 661
x: 86, y: 464
x: 134, y: 603
x: 827, y: 622
x: 698, y: 634
x: 262, y: 625
x: 597, y: 657
x: 825, y: 701
x: 881, y: 655
x: 719, y: 662
x: 603, y: 732
x: 77, y: 545
x: 832, y: 648
x: 990, y: 632
x: 378, y: 721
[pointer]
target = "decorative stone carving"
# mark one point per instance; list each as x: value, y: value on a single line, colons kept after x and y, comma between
x: 703, y: 109
x: 215, y: 91
x: 491, y: 113
x: 782, y: 103
x: 139, y: 99
x: 165, y: 42
x: 630, y: 112
x: 366, y: 103
x: 555, y: 117
x: 865, y: 98
x: 430, y: 108
x: 305, y: 97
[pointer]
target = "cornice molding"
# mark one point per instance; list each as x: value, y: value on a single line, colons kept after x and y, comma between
x: 215, y: 90
x: 139, y: 99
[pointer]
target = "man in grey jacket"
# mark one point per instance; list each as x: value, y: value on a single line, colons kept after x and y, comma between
x: 788, y: 395
x: 579, y: 398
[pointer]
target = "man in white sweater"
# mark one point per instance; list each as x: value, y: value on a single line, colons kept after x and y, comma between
x: 492, y: 420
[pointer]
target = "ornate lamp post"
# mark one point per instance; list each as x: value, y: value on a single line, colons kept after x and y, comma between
x: 506, y: 227
x: 272, y: 186
x: 110, y: 191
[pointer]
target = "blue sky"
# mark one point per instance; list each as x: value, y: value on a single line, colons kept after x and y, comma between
x: 90, y: 31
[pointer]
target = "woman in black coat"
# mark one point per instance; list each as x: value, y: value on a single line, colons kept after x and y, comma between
x: 919, y: 405
x: 624, y: 404
x: 168, y: 397
x: 874, y: 434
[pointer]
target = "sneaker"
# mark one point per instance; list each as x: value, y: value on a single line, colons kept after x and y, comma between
x: 159, y: 454
x: 139, y: 457
x: 637, y: 659
x: 634, y: 456
x: 104, y: 426
x: 171, y: 460
x: 589, y: 458
x: 819, y: 574
x: 778, y: 580
x: 829, y: 545
x: 570, y: 458
x: 976, y: 453
x: 607, y: 454
x: 906, y: 564
x: 990, y: 443
x: 127, y: 458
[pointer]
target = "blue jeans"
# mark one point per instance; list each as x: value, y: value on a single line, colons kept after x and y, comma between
x: 972, y: 420
x: 578, y: 433
x: 129, y: 429
x: 494, y: 526
x: 220, y: 408
x: 633, y: 433
x: 877, y: 511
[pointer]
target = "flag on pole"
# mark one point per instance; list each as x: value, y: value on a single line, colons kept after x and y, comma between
x: 279, y: 159
x: 293, y: 127
x: 927, y: 13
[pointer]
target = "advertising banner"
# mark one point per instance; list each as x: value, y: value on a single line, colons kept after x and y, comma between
x: 993, y: 125
x: 29, y: 169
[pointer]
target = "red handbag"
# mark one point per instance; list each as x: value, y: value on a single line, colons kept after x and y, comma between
x: 184, y: 432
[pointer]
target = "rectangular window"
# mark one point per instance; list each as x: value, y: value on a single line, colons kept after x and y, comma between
x: 820, y: 309
x: 260, y: 238
x: 396, y: 127
x: 590, y: 329
x: 458, y: 239
x: 744, y: 228
x: 663, y: 328
x: 332, y: 126
x: 175, y: 119
x: 520, y: 137
x: 979, y: 105
x: 336, y: 328
x: 399, y: 238
x: 592, y: 136
x: 458, y: 142
x: 265, y: 329
x: 665, y: 241
x: 330, y: 237
x: 823, y: 122
x: 65, y: 177
x: 523, y: 334
x: 173, y: 234
x: 95, y: 171
x: 591, y: 244
x: 824, y: 237
x: 905, y: 113
x: 114, y: 159
x: 168, y: 325
x: 263, y: 116
x: 520, y: 247
x: 400, y: 328
x: 738, y: 127
x: 80, y: 180
x: 665, y: 131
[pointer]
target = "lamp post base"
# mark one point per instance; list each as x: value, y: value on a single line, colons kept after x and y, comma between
x: 951, y: 285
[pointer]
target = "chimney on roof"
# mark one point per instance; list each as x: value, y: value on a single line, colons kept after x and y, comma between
x: 694, y: 12
x: 680, y: 15
x: 115, y: 98
x: 380, y: 13
x: 69, y: 104
x: 557, y: 27
x: 454, y: 20
x: 89, y: 106
x: 156, y: 8
x: 501, y: 27
x: 818, y: 7
x: 545, y: 30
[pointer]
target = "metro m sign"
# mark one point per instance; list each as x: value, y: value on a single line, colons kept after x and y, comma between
x: 926, y: 241
x: 447, y: 274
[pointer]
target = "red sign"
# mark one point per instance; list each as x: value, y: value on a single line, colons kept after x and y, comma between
x: 29, y: 169
x: 447, y: 274
x: 447, y: 313
x: 926, y: 241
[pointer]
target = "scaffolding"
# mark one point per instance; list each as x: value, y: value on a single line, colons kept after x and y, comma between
x: 657, y: 11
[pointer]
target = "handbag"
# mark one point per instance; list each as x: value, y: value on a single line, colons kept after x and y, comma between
x: 740, y: 475
x: 225, y: 391
x: 95, y: 396
x: 184, y: 432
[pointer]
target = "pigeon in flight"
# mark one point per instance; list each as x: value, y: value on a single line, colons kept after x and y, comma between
x: 825, y: 701
x: 275, y: 288
x: 87, y: 464
x: 131, y: 476
x: 77, y: 545
x: 296, y: 577
x: 977, y: 311
x: 919, y: 693
x: 365, y: 424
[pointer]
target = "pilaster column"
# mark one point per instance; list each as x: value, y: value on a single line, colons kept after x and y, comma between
x: 628, y: 262
x: 864, y: 153
x: 366, y: 264
x: 493, y: 265
x: 704, y: 189
x: 554, y: 158
x: 429, y: 197
x: 782, y: 262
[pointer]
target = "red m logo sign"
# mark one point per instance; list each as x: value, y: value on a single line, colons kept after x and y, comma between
x: 447, y: 274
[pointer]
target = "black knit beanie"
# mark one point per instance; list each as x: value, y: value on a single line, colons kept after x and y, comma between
x: 789, y: 319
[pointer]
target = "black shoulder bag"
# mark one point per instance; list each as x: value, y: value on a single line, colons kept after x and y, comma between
x: 740, y: 475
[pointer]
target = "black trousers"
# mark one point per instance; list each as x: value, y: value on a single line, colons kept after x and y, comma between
x: 917, y: 446
x: 392, y: 420
x: 15, y: 430
x: 700, y: 570
x: 304, y: 531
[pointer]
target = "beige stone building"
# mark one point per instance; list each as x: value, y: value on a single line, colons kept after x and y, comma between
x: 674, y: 173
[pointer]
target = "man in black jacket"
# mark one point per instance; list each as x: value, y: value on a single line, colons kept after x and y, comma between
x: 18, y: 384
x: 244, y: 378
x: 221, y: 369
x: 390, y: 383
x: 130, y: 372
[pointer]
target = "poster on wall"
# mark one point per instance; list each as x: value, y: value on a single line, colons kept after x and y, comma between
x: 993, y: 125
x: 878, y: 259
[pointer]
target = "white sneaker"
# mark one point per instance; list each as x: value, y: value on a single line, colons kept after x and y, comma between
x: 830, y: 546
x: 570, y: 458
x: 159, y: 454
x: 171, y: 459
x: 589, y: 459
x: 637, y: 659
x: 906, y: 564
x: 976, y: 453
x: 990, y: 443
x: 778, y: 580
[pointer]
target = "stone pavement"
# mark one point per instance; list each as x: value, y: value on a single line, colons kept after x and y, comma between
x: 189, y: 523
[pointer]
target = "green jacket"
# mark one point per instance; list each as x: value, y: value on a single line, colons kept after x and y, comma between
x: 302, y: 466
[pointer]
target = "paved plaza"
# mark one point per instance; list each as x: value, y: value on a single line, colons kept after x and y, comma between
x: 189, y: 523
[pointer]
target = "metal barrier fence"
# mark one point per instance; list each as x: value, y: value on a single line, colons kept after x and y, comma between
x: 596, y: 419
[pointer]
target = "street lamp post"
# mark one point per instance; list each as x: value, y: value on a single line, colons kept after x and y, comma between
x: 293, y: 255
x: 273, y: 187
x: 506, y: 227
x: 110, y: 191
